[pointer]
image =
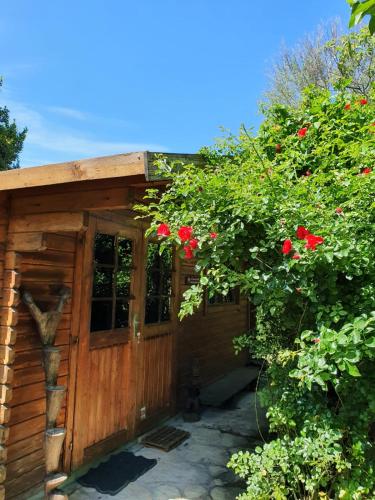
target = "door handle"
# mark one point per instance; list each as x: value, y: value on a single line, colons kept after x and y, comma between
x: 136, y: 323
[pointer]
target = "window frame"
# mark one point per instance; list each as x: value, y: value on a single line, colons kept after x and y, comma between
x: 223, y: 306
x: 159, y: 323
x: 113, y: 336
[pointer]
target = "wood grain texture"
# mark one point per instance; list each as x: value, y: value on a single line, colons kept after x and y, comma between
x: 44, y: 274
x: 48, y: 222
x: 122, y: 165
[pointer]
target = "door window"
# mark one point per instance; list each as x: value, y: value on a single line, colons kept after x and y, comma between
x: 111, y: 291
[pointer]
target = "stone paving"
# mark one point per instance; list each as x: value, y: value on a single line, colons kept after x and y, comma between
x: 195, y: 470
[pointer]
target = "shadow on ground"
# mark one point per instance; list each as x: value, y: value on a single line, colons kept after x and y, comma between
x: 196, y: 470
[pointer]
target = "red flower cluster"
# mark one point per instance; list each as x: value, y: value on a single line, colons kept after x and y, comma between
x: 287, y: 247
x: 185, y: 233
x: 339, y: 210
x: 347, y: 105
x: 193, y: 243
x: 366, y: 170
x: 302, y: 132
x: 302, y: 234
x: 188, y: 252
x: 363, y: 102
x: 163, y: 230
x: 313, y: 241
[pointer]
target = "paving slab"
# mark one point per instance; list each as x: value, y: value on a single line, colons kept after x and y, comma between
x: 196, y: 469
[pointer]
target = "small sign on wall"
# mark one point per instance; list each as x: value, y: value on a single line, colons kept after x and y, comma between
x: 191, y: 279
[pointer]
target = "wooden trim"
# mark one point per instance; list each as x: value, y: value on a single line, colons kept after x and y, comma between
x: 95, y: 199
x: 109, y: 338
x: 73, y: 351
x: 106, y: 445
x: 82, y: 332
x: 180, y: 158
x: 122, y: 165
x: 8, y: 319
x: 28, y: 242
x: 49, y: 222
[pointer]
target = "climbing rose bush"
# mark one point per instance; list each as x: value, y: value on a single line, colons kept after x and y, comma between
x: 292, y: 211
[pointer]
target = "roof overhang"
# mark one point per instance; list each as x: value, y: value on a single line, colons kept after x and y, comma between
x: 106, y: 167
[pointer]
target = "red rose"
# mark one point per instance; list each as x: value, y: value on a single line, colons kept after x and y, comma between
x: 307, y: 173
x: 193, y: 243
x: 287, y: 247
x: 363, y: 102
x: 213, y: 236
x: 313, y: 241
x: 366, y: 170
x: 278, y: 148
x: 316, y: 340
x: 296, y: 256
x: 301, y: 232
x: 339, y: 210
x: 185, y: 233
x: 347, y: 105
x: 302, y: 132
x: 163, y: 230
x: 188, y: 252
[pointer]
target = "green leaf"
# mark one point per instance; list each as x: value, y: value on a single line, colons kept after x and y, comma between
x: 352, y: 370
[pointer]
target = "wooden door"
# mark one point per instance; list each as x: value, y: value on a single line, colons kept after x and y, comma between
x: 111, y: 306
x: 125, y: 379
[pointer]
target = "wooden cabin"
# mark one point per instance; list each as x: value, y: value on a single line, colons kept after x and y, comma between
x: 124, y: 358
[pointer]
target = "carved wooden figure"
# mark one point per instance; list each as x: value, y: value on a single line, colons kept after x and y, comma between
x: 51, y: 363
x: 47, y: 322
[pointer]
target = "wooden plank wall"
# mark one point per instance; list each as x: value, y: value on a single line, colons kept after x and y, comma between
x: 42, y: 274
x: 207, y: 336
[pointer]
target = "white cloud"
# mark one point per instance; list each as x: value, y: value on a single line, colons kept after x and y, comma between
x: 69, y: 112
x: 55, y: 143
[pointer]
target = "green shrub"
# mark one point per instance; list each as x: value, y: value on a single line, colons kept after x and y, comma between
x: 307, y: 169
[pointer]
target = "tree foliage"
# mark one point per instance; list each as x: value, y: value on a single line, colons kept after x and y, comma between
x: 11, y: 140
x: 288, y: 216
x: 324, y: 59
x: 361, y: 9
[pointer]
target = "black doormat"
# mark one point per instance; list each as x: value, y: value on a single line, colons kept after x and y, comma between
x: 112, y: 476
x: 165, y: 438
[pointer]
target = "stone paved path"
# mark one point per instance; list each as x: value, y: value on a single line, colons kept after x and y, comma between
x: 196, y: 470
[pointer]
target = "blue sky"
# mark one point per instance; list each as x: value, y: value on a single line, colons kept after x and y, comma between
x: 92, y: 78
